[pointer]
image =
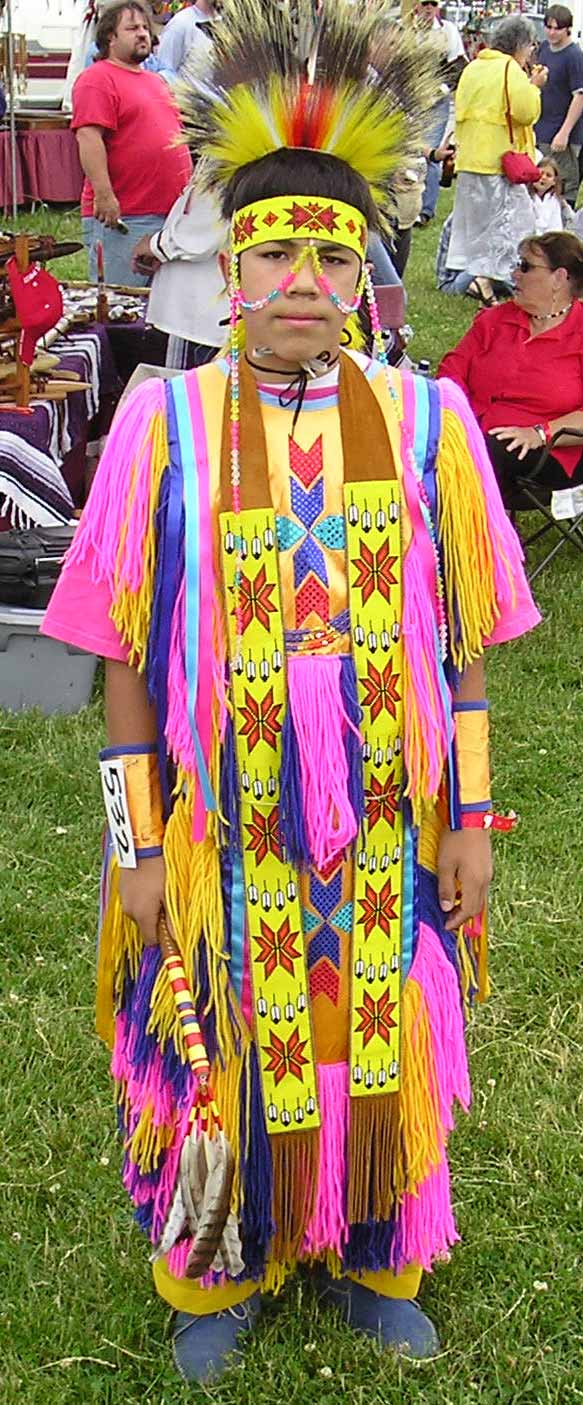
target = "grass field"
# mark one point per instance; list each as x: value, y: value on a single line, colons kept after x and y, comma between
x: 79, y: 1320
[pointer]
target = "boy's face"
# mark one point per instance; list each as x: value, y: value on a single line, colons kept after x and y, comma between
x: 302, y: 322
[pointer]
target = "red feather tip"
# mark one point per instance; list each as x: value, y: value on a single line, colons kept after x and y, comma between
x: 309, y: 117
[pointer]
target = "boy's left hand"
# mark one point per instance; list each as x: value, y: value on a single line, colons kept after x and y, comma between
x: 464, y: 867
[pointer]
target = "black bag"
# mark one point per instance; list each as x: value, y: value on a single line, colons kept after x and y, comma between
x: 30, y: 563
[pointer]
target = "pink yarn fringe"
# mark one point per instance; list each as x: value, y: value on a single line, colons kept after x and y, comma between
x: 128, y: 450
x: 420, y: 639
x: 425, y: 1226
x: 320, y: 724
x: 438, y: 981
x: 328, y: 1227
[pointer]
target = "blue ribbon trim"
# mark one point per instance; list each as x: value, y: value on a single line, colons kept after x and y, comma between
x: 192, y: 568
x: 132, y: 749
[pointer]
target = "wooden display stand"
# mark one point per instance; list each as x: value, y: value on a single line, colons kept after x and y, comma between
x: 25, y: 384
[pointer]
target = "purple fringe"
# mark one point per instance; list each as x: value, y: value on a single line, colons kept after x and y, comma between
x: 257, y: 1227
x: 229, y: 791
x: 292, y: 825
x: 369, y: 1246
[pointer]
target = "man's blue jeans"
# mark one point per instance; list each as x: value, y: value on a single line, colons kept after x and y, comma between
x: 118, y: 248
x: 434, y: 135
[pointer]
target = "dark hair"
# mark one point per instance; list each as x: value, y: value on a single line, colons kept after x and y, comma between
x: 548, y: 161
x: 561, y: 250
x: 561, y: 15
x: 109, y: 21
x: 291, y: 171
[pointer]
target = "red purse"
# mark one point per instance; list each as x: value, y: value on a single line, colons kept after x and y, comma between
x: 517, y: 166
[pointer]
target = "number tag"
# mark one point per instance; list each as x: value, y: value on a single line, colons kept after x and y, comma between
x: 113, y: 782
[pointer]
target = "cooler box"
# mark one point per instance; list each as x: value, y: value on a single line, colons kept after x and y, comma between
x: 40, y: 672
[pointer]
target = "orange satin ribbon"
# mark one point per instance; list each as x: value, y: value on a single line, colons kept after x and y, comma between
x: 473, y: 756
x: 144, y: 799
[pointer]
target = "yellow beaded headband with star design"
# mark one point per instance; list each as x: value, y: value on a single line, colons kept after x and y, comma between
x: 299, y: 217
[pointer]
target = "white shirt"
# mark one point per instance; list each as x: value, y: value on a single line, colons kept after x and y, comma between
x: 180, y: 36
x: 548, y: 214
x: 454, y: 48
x: 188, y: 296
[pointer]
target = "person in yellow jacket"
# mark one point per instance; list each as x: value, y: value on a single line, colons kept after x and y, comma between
x: 491, y: 215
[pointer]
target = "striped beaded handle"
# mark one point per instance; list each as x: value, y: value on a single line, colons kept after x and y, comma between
x: 196, y: 1053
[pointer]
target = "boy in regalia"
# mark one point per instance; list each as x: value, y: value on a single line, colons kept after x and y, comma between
x: 292, y: 560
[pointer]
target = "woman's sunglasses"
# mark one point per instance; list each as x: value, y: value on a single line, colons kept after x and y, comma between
x: 525, y: 265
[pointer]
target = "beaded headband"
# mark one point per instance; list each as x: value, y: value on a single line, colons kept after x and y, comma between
x: 299, y: 217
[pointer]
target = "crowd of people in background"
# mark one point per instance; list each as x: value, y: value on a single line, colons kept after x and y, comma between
x: 516, y: 101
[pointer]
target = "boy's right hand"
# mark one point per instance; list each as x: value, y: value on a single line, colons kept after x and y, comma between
x: 141, y: 892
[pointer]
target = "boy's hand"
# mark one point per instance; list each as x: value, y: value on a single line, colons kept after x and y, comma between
x: 141, y: 892
x: 464, y: 863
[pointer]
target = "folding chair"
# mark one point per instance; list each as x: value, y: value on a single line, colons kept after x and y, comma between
x: 533, y: 493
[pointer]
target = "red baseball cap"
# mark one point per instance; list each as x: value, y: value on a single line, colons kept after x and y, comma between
x: 38, y: 302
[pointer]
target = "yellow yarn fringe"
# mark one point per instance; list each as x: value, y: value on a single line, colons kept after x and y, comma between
x: 195, y: 910
x: 147, y: 1142
x: 422, y: 1133
x: 119, y: 942
x: 131, y: 611
x: 275, y: 1276
x: 466, y: 543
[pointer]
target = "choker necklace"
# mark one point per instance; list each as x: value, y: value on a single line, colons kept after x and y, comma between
x: 549, y: 316
x: 299, y: 376
x: 316, y: 366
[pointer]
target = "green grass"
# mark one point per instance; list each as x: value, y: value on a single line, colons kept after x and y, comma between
x: 79, y: 1320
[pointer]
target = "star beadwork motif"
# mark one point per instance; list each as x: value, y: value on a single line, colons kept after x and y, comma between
x: 261, y: 720
x: 313, y: 217
x: 255, y: 599
x: 263, y: 830
x: 244, y: 227
x: 380, y: 690
x: 382, y: 800
x: 285, y: 1056
x: 277, y: 948
x: 375, y: 571
x: 376, y: 1017
x: 378, y: 909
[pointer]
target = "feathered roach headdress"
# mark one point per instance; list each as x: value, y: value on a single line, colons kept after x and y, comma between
x: 362, y: 95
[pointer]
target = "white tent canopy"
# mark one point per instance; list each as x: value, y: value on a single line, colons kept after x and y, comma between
x: 49, y: 23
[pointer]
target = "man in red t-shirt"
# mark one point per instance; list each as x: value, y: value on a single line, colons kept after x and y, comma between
x: 126, y: 124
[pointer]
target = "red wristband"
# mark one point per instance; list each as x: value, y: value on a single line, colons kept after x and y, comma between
x: 486, y: 819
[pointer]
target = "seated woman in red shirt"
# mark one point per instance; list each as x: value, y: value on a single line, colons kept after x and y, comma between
x: 521, y: 365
